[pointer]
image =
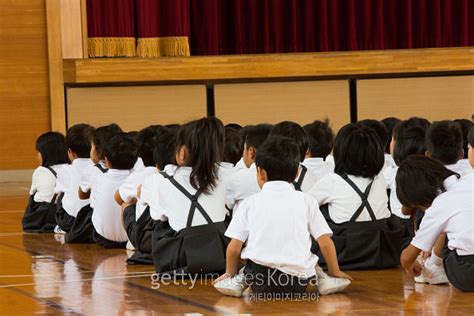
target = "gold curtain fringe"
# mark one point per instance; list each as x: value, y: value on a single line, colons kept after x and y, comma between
x: 173, y: 46
x: 112, y: 46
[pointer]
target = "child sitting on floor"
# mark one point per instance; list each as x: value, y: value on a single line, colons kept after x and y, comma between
x: 279, y: 262
x: 321, y: 142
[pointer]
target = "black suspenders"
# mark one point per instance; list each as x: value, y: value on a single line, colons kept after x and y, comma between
x: 364, y: 197
x: 101, y: 168
x: 194, y: 201
x: 52, y: 171
x: 297, y: 184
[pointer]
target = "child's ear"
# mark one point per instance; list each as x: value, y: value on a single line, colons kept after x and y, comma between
x: 181, y: 156
x: 427, y: 153
x: 253, y: 153
x: 262, y: 176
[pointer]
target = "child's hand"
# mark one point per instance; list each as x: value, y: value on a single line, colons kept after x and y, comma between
x: 415, y: 269
x: 340, y: 274
x: 222, y: 277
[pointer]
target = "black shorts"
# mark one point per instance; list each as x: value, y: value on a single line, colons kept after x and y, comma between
x: 459, y: 270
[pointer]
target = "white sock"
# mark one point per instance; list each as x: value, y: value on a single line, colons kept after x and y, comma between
x: 435, y: 259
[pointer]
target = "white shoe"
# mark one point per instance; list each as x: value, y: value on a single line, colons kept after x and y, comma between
x: 234, y: 286
x: 432, y: 274
x: 328, y: 284
x: 58, y: 230
x: 129, y: 246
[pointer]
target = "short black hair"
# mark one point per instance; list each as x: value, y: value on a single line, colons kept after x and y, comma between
x: 101, y: 135
x: 320, y: 138
x: 121, y: 151
x: 409, y: 137
x: 294, y: 131
x: 53, y: 149
x: 379, y: 128
x: 146, y: 141
x: 390, y: 123
x: 470, y: 137
x: 233, y: 145
x: 466, y: 126
x: 234, y: 126
x: 255, y: 135
x: 420, y: 122
x: 78, y: 139
x: 420, y: 179
x: 280, y: 158
x: 173, y: 128
x: 444, y: 141
x: 164, y: 151
x: 357, y: 151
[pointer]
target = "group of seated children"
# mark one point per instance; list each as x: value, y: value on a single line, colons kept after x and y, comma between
x: 271, y: 206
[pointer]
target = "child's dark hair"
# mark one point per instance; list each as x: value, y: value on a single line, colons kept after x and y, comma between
x: 53, y: 149
x: 357, y: 151
x: 294, y: 131
x: 234, y: 126
x: 466, y: 126
x: 444, y: 141
x: 164, y: 151
x: 280, y: 158
x: 146, y: 141
x: 204, y: 141
x: 420, y: 179
x: 233, y: 145
x: 121, y: 151
x: 409, y: 137
x: 470, y: 137
x: 320, y: 137
x: 379, y: 128
x: 255, y: 135
x: 173, y: 128
x: 78, y: 139
x: 390, y: 123
x: 101, y: 135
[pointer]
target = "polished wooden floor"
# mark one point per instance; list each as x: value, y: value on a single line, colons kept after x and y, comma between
x: 39, y: 274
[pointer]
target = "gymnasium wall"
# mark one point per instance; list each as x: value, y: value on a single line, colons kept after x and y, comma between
x: 24, y: 85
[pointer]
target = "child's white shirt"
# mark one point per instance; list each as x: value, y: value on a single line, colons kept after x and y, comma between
x: 242, y: 184
x: 451, y: 212
x: 107, y: 215
x: 463, y: 167
x: 276, y: 225
x: 389, y: 169
x: 309, y: 179
x: 172, y: 205
x: 240, y: 164
x: 343, y: 200
x: 319, y: 167
x: 94, y: 170
x: 43, y: 182
x: 68, y: 182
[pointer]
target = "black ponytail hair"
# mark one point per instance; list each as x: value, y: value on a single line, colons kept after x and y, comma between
x: 420, y: 180
x: 53, y: 149
x: 204, y: 142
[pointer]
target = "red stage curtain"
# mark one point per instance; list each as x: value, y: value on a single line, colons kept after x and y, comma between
x: 111, y: 28
x: 282, y: 26
x: 163, y: 28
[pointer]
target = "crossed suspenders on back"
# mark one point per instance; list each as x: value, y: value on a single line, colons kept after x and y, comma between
x: 364, y: 197
x: 193, y: 198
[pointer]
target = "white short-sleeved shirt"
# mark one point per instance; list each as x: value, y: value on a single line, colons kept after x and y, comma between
x: 139, y: 165
x: 94, y: 170
x: 309, y: 179
x: 43, y: 182
x: 452, y: 212
x: 463, y: 167
x: 276, y: 225
x: 240, y: 164
x: 389, y: 169
x: 172, y: 205
x: 242, y: 184
x: 69, y: 179
x: 319, y: 167
x: 107, y: 215
x: 343, y: 200
x: 227, y: 168
x: 395, y: 205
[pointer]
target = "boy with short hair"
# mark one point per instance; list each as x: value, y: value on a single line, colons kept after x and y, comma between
x: 78, y: 141
x: 243, y: 183
x: 283, y: 262
x: 321, y: 142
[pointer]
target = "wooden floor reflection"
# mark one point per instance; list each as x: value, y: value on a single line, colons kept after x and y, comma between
x: 42, y: 275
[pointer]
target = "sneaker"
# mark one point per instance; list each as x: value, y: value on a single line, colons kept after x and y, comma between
x: 130, y: 246
x: 234, y: 286
x: 328, y: 284
x: 432, y: 274
x: 58, y: 230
